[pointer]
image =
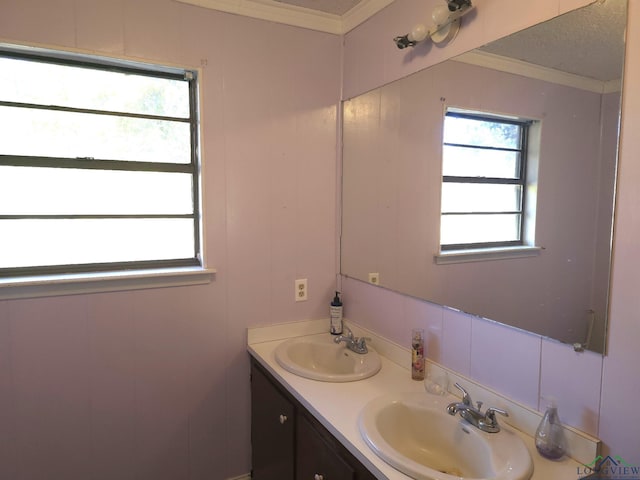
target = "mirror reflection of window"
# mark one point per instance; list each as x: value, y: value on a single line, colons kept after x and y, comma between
x: 484, y: 169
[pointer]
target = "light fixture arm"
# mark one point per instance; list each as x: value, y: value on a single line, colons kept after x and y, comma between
x: 446, y: 23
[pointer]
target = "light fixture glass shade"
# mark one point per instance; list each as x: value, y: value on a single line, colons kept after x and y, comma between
x: 418, y: 33
x: 445, y: 28
x: 440, y: 15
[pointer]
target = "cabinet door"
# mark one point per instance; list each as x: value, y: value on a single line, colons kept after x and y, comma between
x: 272, y: 430
x: 315, y: 459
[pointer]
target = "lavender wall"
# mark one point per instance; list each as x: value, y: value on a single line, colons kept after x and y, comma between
x: 155, y: 384
x: 596, y: 394
x: 619, y: 415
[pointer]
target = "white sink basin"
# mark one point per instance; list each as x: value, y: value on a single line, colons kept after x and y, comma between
x: 413, y: 433
x: 318, y: 357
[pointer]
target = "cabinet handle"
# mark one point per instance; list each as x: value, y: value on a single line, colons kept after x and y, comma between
x: 317, y: 476
x: 283, y: 418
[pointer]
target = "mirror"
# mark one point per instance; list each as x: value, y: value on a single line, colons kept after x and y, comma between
x: 566, y: 75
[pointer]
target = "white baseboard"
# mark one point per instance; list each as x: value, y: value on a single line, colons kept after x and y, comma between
x: 241, y: 477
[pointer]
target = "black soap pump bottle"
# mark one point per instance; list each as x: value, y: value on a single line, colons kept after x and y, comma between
x: 335, y: 313
x: 550, y: 441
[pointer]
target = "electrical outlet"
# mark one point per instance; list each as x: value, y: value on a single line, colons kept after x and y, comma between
x: 301, y: 290
x: 374, y: 278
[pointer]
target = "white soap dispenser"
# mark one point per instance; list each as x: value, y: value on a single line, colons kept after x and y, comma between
x: 550, y: 441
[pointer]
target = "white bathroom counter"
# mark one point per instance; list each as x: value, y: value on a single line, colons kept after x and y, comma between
x: 337, y: 406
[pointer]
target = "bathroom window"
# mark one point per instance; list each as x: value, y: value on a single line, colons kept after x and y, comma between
x: 98, y: 165
x: 483, y: 181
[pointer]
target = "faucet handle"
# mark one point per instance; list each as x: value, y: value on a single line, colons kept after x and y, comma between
x: 349, y: 333
x: 491, y: 413
x: 360, y: 344
x: 489, y: 423
x: 493, y: 410
x: 466, y: 398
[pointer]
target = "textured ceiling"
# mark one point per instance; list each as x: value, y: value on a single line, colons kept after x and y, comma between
x: 336, y: 7
x: 588, y: 42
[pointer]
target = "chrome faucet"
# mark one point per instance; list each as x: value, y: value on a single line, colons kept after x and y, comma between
x: 355, y: 344
x: 486, y: 421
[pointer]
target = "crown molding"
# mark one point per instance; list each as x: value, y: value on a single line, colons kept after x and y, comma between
x: 613, y: 86
x: 294, y: 15
x: 518, y: 67
x: 362, y: 12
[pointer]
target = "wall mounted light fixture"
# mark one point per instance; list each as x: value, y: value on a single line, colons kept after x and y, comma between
x: 446, y: 23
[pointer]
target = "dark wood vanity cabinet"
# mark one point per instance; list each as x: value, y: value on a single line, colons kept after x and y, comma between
x: 272, y: 430
x: 288, y: 443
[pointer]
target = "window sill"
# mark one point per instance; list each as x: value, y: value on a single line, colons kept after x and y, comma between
x: 486, y: 254
x: 74, y: 284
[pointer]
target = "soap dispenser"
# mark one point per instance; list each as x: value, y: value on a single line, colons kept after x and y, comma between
x: 335, y: 311
x: 550, y: 441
